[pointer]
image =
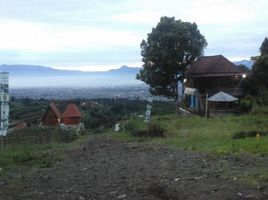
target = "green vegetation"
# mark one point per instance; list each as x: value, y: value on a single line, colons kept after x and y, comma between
x: 34, y: 146
x: 101, y: 114
x: 36, y: 155
x: 260, y: 68
x: 31, y: 155
x: 257, y: 83
x: 168, y: 50
x: 39, y: 135
x: 213, y: 135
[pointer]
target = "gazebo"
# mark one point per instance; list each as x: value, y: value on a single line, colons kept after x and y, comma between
x: 223, y: 101
x: 222, y: 97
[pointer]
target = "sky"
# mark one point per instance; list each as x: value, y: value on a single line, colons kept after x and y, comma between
x: 100, y: 35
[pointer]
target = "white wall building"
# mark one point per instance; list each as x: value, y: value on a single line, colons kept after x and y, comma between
x: 4, y: 103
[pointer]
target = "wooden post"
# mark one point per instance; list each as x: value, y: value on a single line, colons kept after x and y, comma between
x: 206, y: 112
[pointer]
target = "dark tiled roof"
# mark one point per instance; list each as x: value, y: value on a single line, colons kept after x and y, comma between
x: 55, y: 110
x: 213, y: 66
x: 71, y: 111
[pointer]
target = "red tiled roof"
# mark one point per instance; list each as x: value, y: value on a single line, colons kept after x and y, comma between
x: 71, y: 111
x: 213, y: 66
x: 55, y: 110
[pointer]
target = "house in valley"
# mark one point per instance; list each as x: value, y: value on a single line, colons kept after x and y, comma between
x: 66, y: 118
x: 71, y: 115
x: 208, y: 76
x: 52, y: 116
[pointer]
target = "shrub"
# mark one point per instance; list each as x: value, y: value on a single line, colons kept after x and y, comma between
x: 155, y: 131
x: 41, y: 135
x: 260, y: 110
x: 152, y: 131
x: 62, y: 135
x: 130, y: 126
x: 246, y: 104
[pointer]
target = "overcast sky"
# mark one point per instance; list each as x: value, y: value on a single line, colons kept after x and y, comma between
x: 99, y: 35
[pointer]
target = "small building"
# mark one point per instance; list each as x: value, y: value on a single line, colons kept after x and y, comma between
x: 52, y: 116
x: 71, y: 115
x: 208, y: 76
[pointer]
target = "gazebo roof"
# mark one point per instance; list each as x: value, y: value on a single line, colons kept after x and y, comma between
x: 222, y: 97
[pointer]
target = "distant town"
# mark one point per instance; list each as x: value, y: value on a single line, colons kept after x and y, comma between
x: 131, y: 92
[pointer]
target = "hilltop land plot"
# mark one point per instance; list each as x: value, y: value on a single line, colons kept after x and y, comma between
x: 105, y: 168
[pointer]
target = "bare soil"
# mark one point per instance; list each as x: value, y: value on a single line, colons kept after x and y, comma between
x: 109, y: 169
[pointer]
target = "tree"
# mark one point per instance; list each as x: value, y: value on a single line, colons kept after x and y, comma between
x: 168, y: 50
x: 264, y: 47
x: 260, y: 67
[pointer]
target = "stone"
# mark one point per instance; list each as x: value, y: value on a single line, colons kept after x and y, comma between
x: 176, y: 179
x: 3, y: 183
x: 121, y: 196
x: 81, y: 198
x: 239, y: 194
x: 260, y: 187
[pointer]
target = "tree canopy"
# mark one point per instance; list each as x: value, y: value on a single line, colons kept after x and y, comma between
x: 264, y: 47
x: 260, y: 67
x: 169, y: 49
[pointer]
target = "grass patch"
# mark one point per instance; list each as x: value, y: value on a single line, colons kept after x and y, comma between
x: 256, y: 179
x: 214, y: 135
x: 31, y: 155
x: 37, y: 155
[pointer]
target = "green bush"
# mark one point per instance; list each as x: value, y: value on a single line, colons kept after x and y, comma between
x: 152, y: 131
x: 41, y: 135
x: 62, y: 135
x: 130, y: 126
x: 263, y: 110
x: 246, y: 104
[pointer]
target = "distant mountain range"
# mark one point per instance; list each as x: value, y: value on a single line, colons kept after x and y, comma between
x: 40, y: 76
x: 37, y: 70
x: 247, y: 63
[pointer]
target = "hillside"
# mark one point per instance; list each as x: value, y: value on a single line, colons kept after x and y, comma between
x: 197, y: 159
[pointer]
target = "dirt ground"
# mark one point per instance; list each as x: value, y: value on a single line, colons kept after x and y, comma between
x: 108, y: 169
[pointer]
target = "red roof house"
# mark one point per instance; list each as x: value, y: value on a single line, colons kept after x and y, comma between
x: 52, y: 116
x: 71, y: 115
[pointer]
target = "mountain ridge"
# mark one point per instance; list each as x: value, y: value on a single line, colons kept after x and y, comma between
x: 41, y: 76
x: 247, y: 63
x: 44, y: 70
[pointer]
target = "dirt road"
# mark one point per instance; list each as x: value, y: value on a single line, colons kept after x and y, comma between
x: 108, y: 169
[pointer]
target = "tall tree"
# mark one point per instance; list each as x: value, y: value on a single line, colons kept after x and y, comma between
x: 169, y: 49
x: 264, y: 47
x: 260, y: 67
